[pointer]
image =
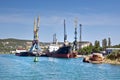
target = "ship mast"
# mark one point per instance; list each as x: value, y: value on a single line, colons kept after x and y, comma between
x: 65, y: 35
x: 54, y: 39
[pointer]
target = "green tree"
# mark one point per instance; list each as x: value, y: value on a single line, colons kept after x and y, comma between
x: 96, y: 47
x: 109, y: 42
x: 115, y: 55
x: 116, y: 46
x: 86, y: 50
x: 104, y: 44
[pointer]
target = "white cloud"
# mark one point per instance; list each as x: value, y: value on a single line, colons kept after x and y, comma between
x: 95, y: 19
x: 104, y: 20
x: 51, y: 20
x: 57, y: 20
x: 15, y: 19
x: 85, y: 19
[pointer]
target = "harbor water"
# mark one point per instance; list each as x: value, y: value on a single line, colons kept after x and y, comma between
x: 24, y: 68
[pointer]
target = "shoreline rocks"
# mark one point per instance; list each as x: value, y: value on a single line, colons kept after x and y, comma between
x: 94, y: 58
x: 108, y: 61
x: 98, y: 59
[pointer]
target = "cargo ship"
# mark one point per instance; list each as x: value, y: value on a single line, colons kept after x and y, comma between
x: 66, y: 51
x: 63, y: 52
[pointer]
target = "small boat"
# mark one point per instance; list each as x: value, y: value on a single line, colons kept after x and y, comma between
x: 63, y: 52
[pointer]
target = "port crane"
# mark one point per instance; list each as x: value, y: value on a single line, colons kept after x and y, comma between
x: 35, y: 48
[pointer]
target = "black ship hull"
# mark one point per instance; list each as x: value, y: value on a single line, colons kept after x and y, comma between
x: 26, y: 54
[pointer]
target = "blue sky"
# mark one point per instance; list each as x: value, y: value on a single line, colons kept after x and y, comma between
x: 100, y: 19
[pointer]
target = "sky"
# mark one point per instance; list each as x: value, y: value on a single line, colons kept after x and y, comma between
x: 99, y: 18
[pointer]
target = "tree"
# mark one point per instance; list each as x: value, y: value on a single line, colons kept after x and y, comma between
x: 97, y: 43
x: 115, y: 55
x: 116, y: 46
x: 96, y: 47
x: 109, y: 42
x: 86, y: 50
x: 104, y: 44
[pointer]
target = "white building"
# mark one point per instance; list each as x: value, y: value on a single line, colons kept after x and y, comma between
x: 20, y: 50
x: 110, y: 50
x: 84, y: 44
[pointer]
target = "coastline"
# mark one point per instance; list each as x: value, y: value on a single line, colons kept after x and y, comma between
x: 105, y: 60
x: 108, y: 61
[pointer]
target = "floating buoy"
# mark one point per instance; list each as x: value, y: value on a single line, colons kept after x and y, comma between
x: 36, y: 59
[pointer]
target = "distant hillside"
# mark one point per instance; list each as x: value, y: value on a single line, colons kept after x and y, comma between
x: 7, y: 45
x: 11, y: 44
x: 13, y: 39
